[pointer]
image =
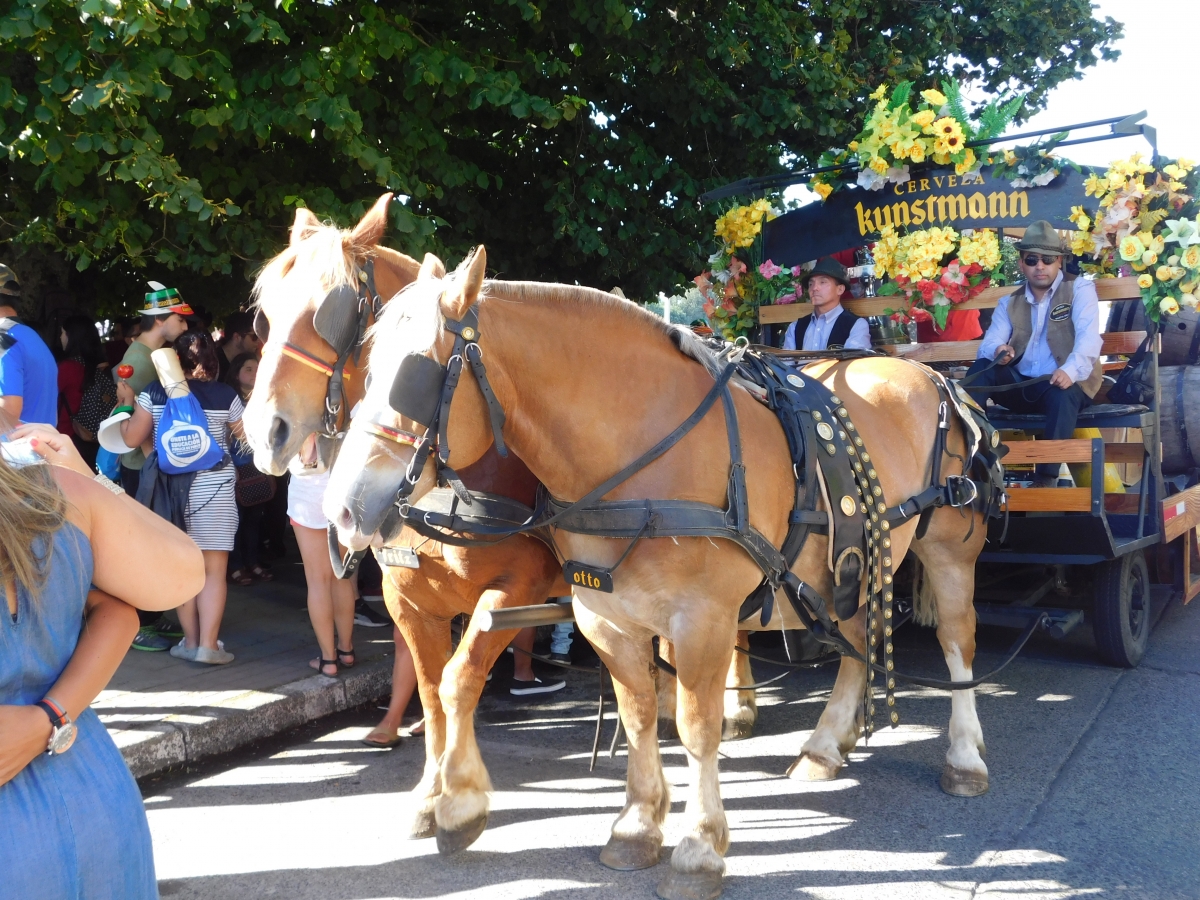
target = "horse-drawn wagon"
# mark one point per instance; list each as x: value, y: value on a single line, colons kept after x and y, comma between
x: 1098, y: 545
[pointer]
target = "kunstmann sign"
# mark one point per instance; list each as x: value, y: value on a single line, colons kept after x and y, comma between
x: 854, y: 216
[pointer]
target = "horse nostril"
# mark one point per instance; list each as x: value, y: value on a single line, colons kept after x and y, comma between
x: 278, y: 434
x: 345, y: 519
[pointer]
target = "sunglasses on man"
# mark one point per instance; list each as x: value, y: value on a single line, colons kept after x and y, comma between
x: 1032, y: 260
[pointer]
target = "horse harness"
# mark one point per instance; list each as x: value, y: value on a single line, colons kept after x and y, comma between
x: 828, y: 456
x: 341, y: 320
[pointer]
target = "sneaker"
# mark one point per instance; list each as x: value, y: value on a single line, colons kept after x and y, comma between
x: 166, y: 628
x: 218, y: 657
x: 182, y: 651
x: 537, y: 686
x: 560, y: 658
x: 149, y: 640
x: 365, y: 616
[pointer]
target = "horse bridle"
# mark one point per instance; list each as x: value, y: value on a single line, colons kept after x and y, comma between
x: 341, y: 321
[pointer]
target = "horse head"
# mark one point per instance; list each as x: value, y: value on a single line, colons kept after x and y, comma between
x: 383, y: 451
x: 312, y: 301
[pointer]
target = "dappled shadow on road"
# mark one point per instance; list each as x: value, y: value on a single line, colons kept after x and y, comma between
x: 326, y: 817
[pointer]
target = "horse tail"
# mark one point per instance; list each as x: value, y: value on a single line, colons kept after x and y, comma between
x: 924, y: 599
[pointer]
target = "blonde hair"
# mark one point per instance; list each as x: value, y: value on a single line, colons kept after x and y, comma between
x: 32, y: 506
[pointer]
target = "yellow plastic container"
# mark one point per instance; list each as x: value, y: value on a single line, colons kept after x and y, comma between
x: 1082, y: 472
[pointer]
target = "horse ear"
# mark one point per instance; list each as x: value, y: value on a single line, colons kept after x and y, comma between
x: 431, y: 267
x: 304, y: 225
x: 369, y: 231
x: 465, y: 292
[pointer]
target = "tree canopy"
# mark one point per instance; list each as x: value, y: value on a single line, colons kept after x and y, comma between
x: 573, y: 137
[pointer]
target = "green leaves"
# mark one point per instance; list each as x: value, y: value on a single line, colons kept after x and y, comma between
x: 572, y: 138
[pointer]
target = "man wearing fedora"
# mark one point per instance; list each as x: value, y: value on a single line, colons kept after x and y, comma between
x: 830, y: 327
x: 28, y: 372
x: 1047, y: 329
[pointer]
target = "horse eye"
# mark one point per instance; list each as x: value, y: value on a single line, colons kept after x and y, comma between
x: 367, y: 383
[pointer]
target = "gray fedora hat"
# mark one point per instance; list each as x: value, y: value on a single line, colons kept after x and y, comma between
x: 1042, y: 238
x: 827, y: 266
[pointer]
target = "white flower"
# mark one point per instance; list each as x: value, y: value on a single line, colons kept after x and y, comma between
x: 1045, y: 178
x: 1188, y: 300
x: 898, y: 176
x: 1020, y: 183
x: 872, y: 181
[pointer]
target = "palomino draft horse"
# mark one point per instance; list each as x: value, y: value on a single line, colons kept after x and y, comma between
x: 579, y: 408
x: 290, y: 403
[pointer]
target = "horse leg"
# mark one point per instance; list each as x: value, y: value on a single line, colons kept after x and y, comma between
x: 664, y: 684
x: 741, y: 708
x: 429, y: 642
x: 950, y: 573
x: 636, y: 838
x: 697, y: 863
x: 824, y: 753
x: 462, y: 808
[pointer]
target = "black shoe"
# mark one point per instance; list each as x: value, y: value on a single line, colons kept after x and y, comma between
x: 535, y: 687
x: 365, y: 616
x: 164, y: 627
x: 561, y: 658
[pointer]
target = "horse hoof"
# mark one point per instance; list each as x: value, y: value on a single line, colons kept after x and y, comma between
x: 668, y: 730
x: 690, y: 886
x: 451, y: 842
x: 736, y: 730
x: 423, y: 826
x: 628, y: 854
x: 963, y: 782
x: 814, y: 768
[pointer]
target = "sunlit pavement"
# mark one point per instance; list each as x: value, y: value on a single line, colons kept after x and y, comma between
x: 1094, y: 792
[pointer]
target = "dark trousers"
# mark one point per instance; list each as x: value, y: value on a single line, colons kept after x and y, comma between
x: 130, y: 479
x: 1060, y: 407
x: 245, y: 543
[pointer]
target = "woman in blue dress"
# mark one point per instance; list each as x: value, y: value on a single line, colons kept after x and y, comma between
x: 72, y: 823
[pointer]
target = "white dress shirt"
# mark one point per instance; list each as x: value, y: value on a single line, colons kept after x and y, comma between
x: 1037, y: 359
x: 817, y: 335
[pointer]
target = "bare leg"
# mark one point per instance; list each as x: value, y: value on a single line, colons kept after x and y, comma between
x: 404, y: 682
x: 323, y: 608
x: 201, y: 616
x: 522, y: 662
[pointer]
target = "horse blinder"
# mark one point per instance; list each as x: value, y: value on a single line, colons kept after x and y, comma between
x: 262, y: 327
x: 417, y: 389
x: 336, y: 318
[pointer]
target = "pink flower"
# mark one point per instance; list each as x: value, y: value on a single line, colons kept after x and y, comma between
x: 797, y: 271
x: 737, y: 268
x: 769, y: 270
x: 785, y: 299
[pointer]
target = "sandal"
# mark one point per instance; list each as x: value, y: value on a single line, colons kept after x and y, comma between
x: 386, y: 743
x: 260, y: 574
x: 240, y: 578
x: 322, y: 664
x: 342, y: 655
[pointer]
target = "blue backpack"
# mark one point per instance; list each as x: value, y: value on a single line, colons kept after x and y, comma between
x: 183, y: 442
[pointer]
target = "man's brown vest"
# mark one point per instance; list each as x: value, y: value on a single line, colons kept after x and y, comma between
x: 1060, y: 330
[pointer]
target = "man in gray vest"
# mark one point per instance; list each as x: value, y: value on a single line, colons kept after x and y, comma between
x: 1048, y: 331
x: 830, y: 327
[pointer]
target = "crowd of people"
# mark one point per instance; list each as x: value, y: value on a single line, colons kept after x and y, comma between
x: 238, y: 517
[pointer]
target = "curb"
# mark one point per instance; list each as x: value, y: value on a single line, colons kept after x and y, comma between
x: 240, y: 719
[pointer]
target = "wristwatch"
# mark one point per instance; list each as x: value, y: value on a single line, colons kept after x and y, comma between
x: 63, y: 734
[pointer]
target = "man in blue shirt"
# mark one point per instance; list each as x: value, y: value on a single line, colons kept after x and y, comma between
x: 830, y: 327
x: 28, y: 372
x: 1046, y: 332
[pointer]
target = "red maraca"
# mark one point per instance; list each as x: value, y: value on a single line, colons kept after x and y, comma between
x: 125, y: 371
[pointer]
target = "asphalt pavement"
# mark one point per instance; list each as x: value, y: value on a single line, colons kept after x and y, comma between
x: 1094, y: 793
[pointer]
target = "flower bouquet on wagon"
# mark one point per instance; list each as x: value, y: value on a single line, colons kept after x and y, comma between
x: 738, y: 280
x: 935, y: 269
x: 1148, y: 220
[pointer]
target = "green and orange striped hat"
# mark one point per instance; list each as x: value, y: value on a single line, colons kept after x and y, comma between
x: 162, y: 301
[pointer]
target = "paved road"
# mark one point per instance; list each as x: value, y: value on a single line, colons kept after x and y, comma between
x: 1094, y: 793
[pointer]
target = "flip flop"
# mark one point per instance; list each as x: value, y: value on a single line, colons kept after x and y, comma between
x: 381, y: 745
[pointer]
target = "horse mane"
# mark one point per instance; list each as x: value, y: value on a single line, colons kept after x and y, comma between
x: 327, y: 254
x: 684, y: 339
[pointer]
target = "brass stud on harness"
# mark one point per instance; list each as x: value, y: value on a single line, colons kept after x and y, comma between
x: 877, y: 491
x: 887, y: 542
x: 833, y: 398
x: 825, y: 431
x: 816, y: 416
x: 887, y: 579
x: 857, y: 466
x: 871, y: 473
x: 888, y: 648
x: 895, y: 717
x: 830, y: 449
x: 866, y: 457
x: 875, y: 534
x: 841, y: 435
x: 887, y: 595
x: 874, y: 516
x: 881, y: 506
x: 862, y: 507
x: 885, y: 525
x: 889, y: 665
x: 887, y: 561
x: 887, y: 631
x: 842, y: 412
x: 887, y: 613
x: 858, y: 443
x: 847, y: 504
x: 891, y: 683
x: 891, y: 701
x: 849, y: 426
x: 468, y: 333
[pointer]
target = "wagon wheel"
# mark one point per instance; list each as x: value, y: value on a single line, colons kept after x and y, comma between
x: 1121, y: 610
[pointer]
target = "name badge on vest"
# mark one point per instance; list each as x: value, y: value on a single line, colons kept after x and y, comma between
x: 593, y: 577
x: 1060, y: 312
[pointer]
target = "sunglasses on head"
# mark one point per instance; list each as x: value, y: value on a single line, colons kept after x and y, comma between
x: 1032, y: 260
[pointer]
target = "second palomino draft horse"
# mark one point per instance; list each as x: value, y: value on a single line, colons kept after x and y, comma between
x: 579, y: 384
x: 290, y: 403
